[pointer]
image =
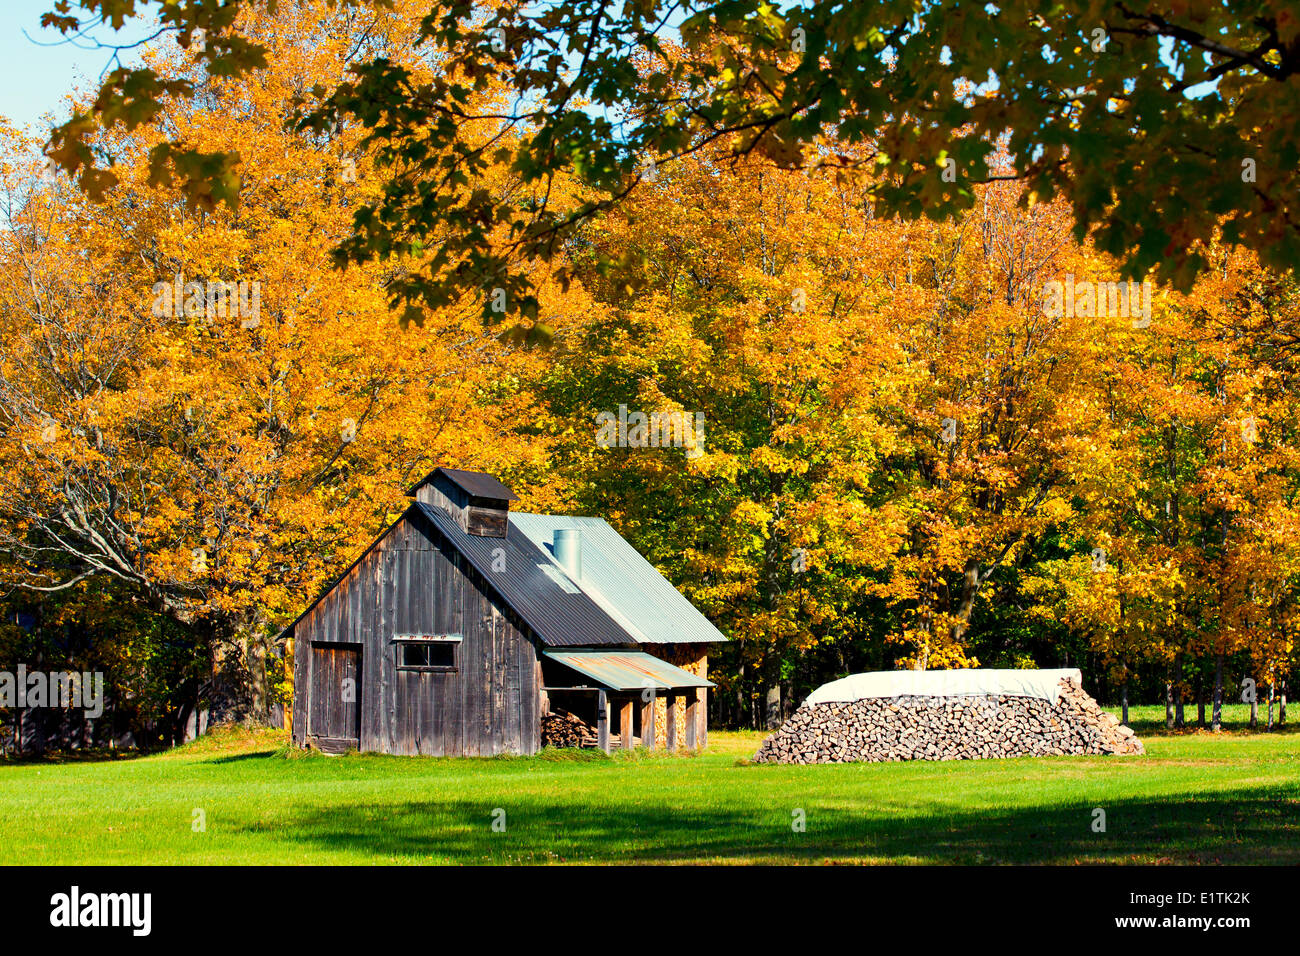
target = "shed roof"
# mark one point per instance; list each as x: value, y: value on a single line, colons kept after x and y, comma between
x: 561, y: 615
x: 627, y: 670
x: 471, y: 482
x: 619, y: 599
x: 623, y: 583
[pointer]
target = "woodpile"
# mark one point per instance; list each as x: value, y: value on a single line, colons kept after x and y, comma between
x: 948, y: 728
x: 562, y: 729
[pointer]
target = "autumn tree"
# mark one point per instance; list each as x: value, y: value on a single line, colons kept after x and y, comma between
x: 1161, y: 126
x: 194, y: 402
x: 891, y: 418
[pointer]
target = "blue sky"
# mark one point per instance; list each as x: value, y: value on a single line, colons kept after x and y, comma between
x: 34, y: 78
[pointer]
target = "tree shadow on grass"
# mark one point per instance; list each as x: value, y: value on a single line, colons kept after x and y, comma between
x: 1156, y: 728
x: 75, y: 756
x: 1259, y: 826
x: 240, y: 758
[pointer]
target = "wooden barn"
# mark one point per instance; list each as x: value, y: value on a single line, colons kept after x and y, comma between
x: 464, y: 625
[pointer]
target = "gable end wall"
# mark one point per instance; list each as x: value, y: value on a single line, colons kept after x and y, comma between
x: 413, y: 582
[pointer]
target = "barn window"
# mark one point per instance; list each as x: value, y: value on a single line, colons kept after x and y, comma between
x: 436, y: 653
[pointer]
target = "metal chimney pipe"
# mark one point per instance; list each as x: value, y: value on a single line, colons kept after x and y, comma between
x: 567, y: 548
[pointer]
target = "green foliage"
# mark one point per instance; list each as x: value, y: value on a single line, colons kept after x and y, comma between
x: 1090, y: 107
x: 155, y: 670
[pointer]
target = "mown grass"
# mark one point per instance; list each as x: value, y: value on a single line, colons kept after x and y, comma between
x: 1195, y: 797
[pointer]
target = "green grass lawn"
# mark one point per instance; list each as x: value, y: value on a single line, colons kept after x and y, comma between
x: 1195, y: 797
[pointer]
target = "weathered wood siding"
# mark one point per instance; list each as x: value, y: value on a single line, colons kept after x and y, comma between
x: 441, y: 493
x: 487, y: 518
x: 412, y: 582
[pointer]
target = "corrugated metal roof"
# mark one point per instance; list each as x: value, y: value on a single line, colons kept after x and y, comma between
x: 525, y: 582
x: 627, y: 670
x: 622, y: 582
x: 472, y: 482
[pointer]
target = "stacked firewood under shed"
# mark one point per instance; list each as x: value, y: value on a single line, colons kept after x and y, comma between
x: 562, y: 729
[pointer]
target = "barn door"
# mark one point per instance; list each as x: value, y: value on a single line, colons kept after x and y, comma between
x: 334, y: 715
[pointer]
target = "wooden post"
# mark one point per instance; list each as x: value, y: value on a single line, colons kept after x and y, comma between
x: 544, y: 703
x: 704, y: 717
x: 602, y: 720
x: 670, y: 728
x: 648, y: 723
x: 692, y: 718
x: 625, y: 725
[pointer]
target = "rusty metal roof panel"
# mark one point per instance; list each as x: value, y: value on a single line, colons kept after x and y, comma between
x: 627, y: 670
x: 622, y: 582
x: 560, y: 614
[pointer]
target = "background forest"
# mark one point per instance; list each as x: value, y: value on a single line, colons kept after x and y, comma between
x: 908, y: 461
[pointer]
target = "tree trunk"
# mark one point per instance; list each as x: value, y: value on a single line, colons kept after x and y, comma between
x: 927, y: 630
x: 259, y: 686
x: 1200, y: 709
x: 1281, y: 706
x: 1178, y: 692
x: 183, y: 720
x: 1169, y: 704
x: 771, y: 687
x: 742, y: 685
x: 1217, y: 717
x: 772, y: 706
x: 770, y: 668
x: 970, y: 585
x: 1123, y: 701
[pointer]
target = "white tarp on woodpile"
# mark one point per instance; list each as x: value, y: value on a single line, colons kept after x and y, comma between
x: 970, y: 682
